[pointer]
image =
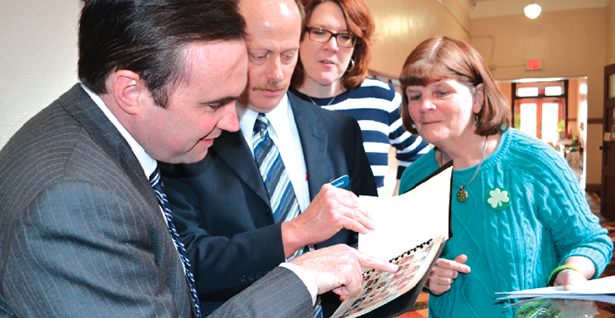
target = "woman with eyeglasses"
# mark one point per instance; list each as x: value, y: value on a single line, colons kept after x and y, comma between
x: 332, y: 73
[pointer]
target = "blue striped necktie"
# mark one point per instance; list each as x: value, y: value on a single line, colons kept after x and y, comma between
x: 156, y: 183
x: 277, y: 182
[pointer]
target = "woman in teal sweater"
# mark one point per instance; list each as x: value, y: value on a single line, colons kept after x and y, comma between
x: 519, y: 216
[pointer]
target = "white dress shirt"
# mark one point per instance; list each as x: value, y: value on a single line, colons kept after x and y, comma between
x: 283, y: 131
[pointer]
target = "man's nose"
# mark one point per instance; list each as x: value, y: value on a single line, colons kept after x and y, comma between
x: 228, y: 120
x: 274, y: 70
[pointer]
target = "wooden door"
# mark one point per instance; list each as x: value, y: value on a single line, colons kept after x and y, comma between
x: 607, y: 206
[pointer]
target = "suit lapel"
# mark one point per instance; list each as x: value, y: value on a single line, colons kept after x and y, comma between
x: 231, y: 148
x: 314, y: 141
x: 79, y: 105
x: 104, y: 133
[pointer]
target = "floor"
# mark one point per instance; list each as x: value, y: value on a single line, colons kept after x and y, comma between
x: 606, y: 310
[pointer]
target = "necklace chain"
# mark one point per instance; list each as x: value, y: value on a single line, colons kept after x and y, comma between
x: 313, y: 102
x: 462, y: 194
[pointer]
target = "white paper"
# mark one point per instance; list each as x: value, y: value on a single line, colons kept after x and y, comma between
x: 601, y: 289
x: 409, y: 219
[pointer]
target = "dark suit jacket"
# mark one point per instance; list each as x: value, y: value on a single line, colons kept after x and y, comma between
x: 222, y: 210
x: 83, y: 235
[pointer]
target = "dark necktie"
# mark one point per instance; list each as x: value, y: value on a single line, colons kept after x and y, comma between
x: 279, y: 188
x: 156, y: 183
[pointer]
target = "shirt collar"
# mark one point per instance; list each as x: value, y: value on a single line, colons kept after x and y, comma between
x: 278, y: 119
x: 147, y: 162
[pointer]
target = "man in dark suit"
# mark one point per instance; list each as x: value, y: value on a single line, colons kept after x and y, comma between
x: 83, y: 232
x: 221, y: 204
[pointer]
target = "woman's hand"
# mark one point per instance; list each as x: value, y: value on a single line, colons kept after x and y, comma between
x: 444, y: 272
x: 569, y: 277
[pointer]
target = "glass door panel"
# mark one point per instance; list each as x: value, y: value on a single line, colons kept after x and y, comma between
x: 550, y: 115
x: 528, y: 119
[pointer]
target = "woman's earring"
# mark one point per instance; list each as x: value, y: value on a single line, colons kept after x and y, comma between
x: 351, y: 65
x: 477, y: 120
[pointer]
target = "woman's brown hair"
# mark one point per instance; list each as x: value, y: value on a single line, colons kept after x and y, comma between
x: 361, y: 25
x: 440, y: 58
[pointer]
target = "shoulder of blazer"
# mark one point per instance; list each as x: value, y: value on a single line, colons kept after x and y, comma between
x: 80, y: 106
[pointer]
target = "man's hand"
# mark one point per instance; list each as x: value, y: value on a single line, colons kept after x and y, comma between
x: 444, y: 273
x: 338, y: 268
x: 331, y: 210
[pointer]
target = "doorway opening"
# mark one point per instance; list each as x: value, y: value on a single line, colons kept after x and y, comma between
x: 553, y: 110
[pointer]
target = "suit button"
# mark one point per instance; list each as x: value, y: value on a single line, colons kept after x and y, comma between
x: 243, y: 279
x: 259, y: 275
x: 251, y: 277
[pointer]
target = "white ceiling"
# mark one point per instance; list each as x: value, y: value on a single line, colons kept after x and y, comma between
x: 492, y: 8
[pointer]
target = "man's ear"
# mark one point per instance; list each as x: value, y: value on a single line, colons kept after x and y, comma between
x: 128, y: 91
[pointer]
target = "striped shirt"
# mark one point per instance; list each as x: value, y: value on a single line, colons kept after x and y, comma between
x: 375, y: 105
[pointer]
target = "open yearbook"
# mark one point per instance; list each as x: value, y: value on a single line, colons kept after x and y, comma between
x: 411, y: 230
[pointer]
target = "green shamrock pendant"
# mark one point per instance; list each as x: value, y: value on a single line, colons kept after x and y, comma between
x: 498, y: 199
x: 462, y: 195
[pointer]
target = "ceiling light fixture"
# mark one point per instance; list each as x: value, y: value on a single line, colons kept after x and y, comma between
x: 532, y: 11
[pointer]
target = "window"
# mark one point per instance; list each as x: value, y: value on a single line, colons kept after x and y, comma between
x: 527, y: 92
x: 553, y: 90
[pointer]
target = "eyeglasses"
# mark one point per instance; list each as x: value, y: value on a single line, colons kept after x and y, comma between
x: 323, y: 36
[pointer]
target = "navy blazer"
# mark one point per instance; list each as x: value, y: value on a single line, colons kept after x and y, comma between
x: 222, y: 211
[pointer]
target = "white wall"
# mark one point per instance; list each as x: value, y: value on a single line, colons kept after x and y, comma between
x: 38, y: 57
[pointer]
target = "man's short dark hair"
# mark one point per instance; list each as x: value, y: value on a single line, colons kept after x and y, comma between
x: 148, y: 37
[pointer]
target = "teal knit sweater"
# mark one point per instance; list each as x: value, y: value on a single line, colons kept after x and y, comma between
x: 547, y: 221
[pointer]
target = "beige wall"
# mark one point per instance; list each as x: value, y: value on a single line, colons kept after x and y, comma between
x: 610, y: 32
x: 401, y: 25
x: 38, y: 46
x: 571, y: 43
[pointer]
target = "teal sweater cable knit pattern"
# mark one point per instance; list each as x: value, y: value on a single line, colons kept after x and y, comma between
x: 548, y: 220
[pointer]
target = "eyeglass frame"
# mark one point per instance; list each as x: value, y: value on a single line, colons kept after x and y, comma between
x: 331, y: 35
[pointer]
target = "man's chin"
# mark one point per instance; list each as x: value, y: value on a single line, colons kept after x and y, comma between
x: 193, y: 157
x: 265, y: 103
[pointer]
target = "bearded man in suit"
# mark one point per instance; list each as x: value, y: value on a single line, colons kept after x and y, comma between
x: 224, y: 206
x: 83, y: 231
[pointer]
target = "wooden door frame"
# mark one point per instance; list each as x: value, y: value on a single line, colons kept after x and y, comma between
x: 514, y: 98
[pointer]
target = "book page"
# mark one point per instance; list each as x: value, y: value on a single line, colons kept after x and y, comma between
x: 379, y: 288
x: 410, y: 219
